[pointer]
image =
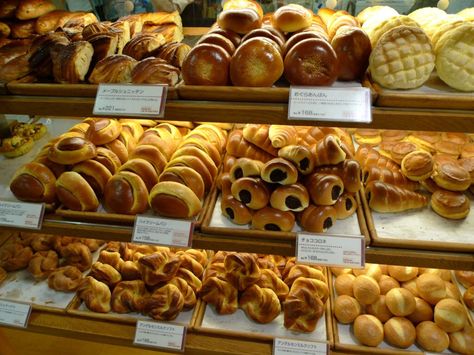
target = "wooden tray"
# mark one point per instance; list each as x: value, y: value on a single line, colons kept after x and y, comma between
x: 434, y: 94
x: 420, y: 229
x: 215, y: 223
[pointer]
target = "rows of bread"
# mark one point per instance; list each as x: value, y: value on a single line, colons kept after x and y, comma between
x: 406, y: 49
x: 70, y: 47
x: 247, y: 48
x: 129, y: 165
x: 408, y: 166
x: 402, y: 306
x: 274, y: 175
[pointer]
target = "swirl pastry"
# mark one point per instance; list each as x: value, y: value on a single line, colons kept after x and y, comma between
x: 114, y: 69
x: 155, y: 71
x: 165, y: 303
x: 220, y: 293
x: 129, y: 296
x: 95, y: 294
x: 158, y: 267
x: 260, y: 304
x: 242, y: 269
x: 71, y: 62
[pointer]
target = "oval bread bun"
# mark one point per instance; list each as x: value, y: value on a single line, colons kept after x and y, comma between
x: 368, y: 330
x: 450, y: 315
x: 399, y: 332
x: 386, y: 283
x: 344, y: 284
x: 402, y: 273
x: 431, y: 337
x: 400, y: 302
x: 431, y: 288
x: 423, y: 311
x: 366, y: 289
x: 346, y: 309
x: 379, y: 309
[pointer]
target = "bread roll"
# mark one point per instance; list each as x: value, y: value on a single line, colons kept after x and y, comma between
x: 400, y: 302
x: 291, y: 18
x: 465, y: 278
x: 344, y: 284
x: 126, y: 193
x: 410, y: 285
x: 366, y: 289
x: 431, y: 288
x: 346, y: 309
x: 95, y: 174
x: 272, y: 219
x: 34, y: 182
x: 75, y: 193
x: 230, y: 35
x: 402, y: 273
x: 252, y: 192
x: 116, y: 68
x: 386, y: 283
x: 372, y: 270
x: 450, y: 204
x: 290, y: 198
x: 268, y: 32
x: 451, y: 176
x: 431, y: 337
x: 29, y: 9
x: 241, y: 21
x: 450, y: 315
x: 317, y: 219
x: 218, y: 40
x: 144, y: 169
x: 368, y: 330
x: 399, y: 332
x: 206, y: 64
x: 324, y: 189
x: 463, y: 341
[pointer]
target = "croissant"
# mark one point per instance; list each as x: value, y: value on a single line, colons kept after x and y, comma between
x: 41, y: 242
x: 186, y: 290
x: 105, y: 273
x: 281, y: 135
x: 114, y: 69
x: 374, y: 173
x: 143, y: 44
x: 43, y: 263
x: 383, y: 197
x: 65, y: 279
x: 328, y: 151
x: 367, y: 156
x: 306, y: 271
x: 95, y: 294
x: 158, y: 267
x: 260, y: 304
x: 78, y: 255
x: 349, y: 171
x: 220, y: 293
x: 129, y: 296
x: 155, y: 71
x: 242, y: 269
x: 258, y: 134
x: 165, y: 303
x: 71, y: 62
x: 270, y: 279
x: 239, y: 147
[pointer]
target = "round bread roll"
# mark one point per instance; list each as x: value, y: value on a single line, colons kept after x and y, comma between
x: 423, y: 311
x: 218, y: 40
x: 175, y: 200
x: 346, y: 309
x: 269, y: 33
x: 206, y: 64
x: 292, y: 18
x: 311, y: 62
x: 75, y: 193
x: 386, y: 283
x: 431, y: 337
x: 410, y: 285
x: 366, y: 289
x: 417, y: 165
x: 230, y: 35
x: 126, y: 193
x: 451, y: 176
x: 379, y: 309
x: 402, y: 273
x: 344, y: 284
x: 241, y: 21
x: 431, y: 288
x: 71, y: 150
x: 452, y: 291
x: 450, y: 204
x: 384, y: 269
x: 297, y: 37
x: 256, y: 62
x: 450, y: 315
x: 399, y: 332
x: 465, y: 278
x: 372, y: 270
x: 462, y: 342
x: 443, y: 273
x: 400, y: 302
x: 368, y: 330
x: 468, y: 298
x: 340, y: 270
x: 103, y: 130
x: 34, y: 182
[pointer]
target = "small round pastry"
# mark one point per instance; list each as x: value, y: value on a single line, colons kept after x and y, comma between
x: 372, y: 270
x: 402, y: 149
x: 450, y: 204
x: 295, y: 38
x: 386, y: 283
x: 218, y: 40
x: 368, y: 330
x: 186, y: 176
x: 431, y: 288
x: 34, y: 182
x: 175, y: 200
x: 103, y: 130
x: 268, y: 32
x: 379, y: 309
x: 311, y: 62
x: 120, y: 150
x: 402, y: 273
x: 206, y: 64
x: 245, y: 167
x: 452, y: 291
x: 230, y: 35
x: 462, y: 342
x: 400, y: 302
x: 108, y: 159
x: 65, y: 279
x: 344, y: 284
x: 465, y: 278
x: 450, y: 315
x: 468, y: 298
x: 324, y: 189
x: 151, y: 154
x: 317, y: 219
x: 75, y: 193
x: 126, y: 193
x: 94, y: 173
x: 410, y: 285
x: 300, y: 156
x: 345, y: 206
x: 251, y: 191
x: 290, y: 198
x: 271, y: 219
x: 235, y: 210
x: 366, y: 289
x: 423, y: 312
x: 417, y: 165
x: 292, y: 18
x: 142, y: 168
x: 399, y: 332
x: 256, y: 62
x: 241, y: 20
x: 431, y: 337
x: 346, y: 309
x: 71, y: 150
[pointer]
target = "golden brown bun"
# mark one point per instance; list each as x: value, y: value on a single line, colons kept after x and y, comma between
x: 152, y: 155
x: 218, y: 40
x: 206, y: 64
x: 386, y: 283
x: 201, y: 155
x: 346, y: 309
x: 116, y: 68
x: 22, y: 29
x: 317, y: 219
x: 65, y: 279
x: 344, y: 284
x: 291, y: 18
x: 245, y: 167
x: 268, y: 32
x: 431, y: 337
x: 172, y: 199
x: 402, y: 273
x: 379, y: 309
x: 324, y: 189
x: 240, y: 21
x: 423, y: 312
x: 71, y: 150
x: 462, y: 342
x: 108, y: 159
x: 230, y: 35
x: 75, y: 192
x: 34, y: 182
x: 290, y: 198
x: 328, y: 151
x: 95, y: 174
x: 345, y: 206
x: 251, y: 191
x: 256, y: 62
x: 399, y: 332
x: 450, y: 204
x: 235, y: 210
x: 119, y: 149
x: 410, y: 285
x: 186, y: 176
x: 372, y: 270
x: 400, y: 302
x: 196, y: 164
x: 417, y: 165
x: 431, y: 288
x: 450, y: 315
x: 271, y: 219
x: 366, y: 289
x: 30, y: 9
x: 300, y: 156
x: 126, y: 193
x: 279, y: 171
x: 297, y: 37
x: 465, y: 278
x: 368, y: 330
x: 239, y: 147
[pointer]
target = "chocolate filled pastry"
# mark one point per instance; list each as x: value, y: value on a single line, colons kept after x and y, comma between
x: 451, y: 176
x: 345, y: 206
x: 43, y: 263
x: 260, y: 304
x: 300, y: 156
x: 279, y: 171
x: 290, y: 198
x: 114, y: 69
x: 75, y: 193
x: 245, y: 167
x: 271, y: 219
x: 71, y: 150
x: 34, y: 182
x: 78, y: 255
x: 65, y: 279
x: 235, y: 210
x: 165, y: 303
x: 129, y: 296
x: 95, y: 294
x: 218, y: 40
x: 206, y: 64
x: 126, y: 193
x: 349, y: 171
x: 317, y: 219
x: 142, y: 168
x: 185, y: 176
x: 103, y: 130
x: 175, y: 200
x: 221, y: 294
x: 385, y: 198
x: 450, y: 204
x: 95, y: 174
x: 242, y: 269
x: 324, y: 189
x: 251, y: 191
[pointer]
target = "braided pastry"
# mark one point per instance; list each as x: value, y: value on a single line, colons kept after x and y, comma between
x: 215, y: 269
x: 220, y: 293
x: 306, y: 271
x: 242, y: 269
x: 186, y: 290
x: 78, y: 255
x: 43, y: 263
x: 190, y: 263
x: 165, y: 303
x: 95, y: 294
x: 158, y: 267
x: 105, y: 273
x: 260, y: 304
x: 270, y: 279
x: 383, y: 197
x: 65, y: 279
x: 129, y: 296
x: 192, y: 280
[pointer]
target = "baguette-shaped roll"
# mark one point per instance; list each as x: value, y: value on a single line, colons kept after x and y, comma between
x: 196, y: 164
x: 367, y: 156
x: 245, y: 167
x: 374, y: 173
x: 258, y: 134
x: 239, y: 147
x: 260, y: 304
x: 328, y: 151
x: 251, y: 191
x: 290, y: 198
x: 220, y: 293
x: 271, y: 219
x: 279, y: 171
x: 126, y: 193
x: 172, y: 199
x: 142, y: 168
x: 300, y: 156
x: 281, y: 135
x: 95, y: 174
x: 185, y: 176
x: 34, y: 182
x: 75, y: 192
x: 324, y: 189
x: 151, y: 154
x: 71, y: 150
x: 235, y: 210
x: 345, y: 206
x: 103, y: 131
x: 242, y: 269
x: 383, y: 197
x: 317, y: 219
x: 349, y: 171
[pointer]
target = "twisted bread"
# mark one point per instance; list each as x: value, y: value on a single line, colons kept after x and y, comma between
x: 129, y: 296
x: 95, y: 294
x: 105, y: 273
x: 220, y: 293
x: 188, y: 293
x: 189, y: 262
x: 165, y: 303
x: 158, y: 267
x: 242, y: 269
x: 269, y: 279
x: 260, y: 304
x: 383, y: 197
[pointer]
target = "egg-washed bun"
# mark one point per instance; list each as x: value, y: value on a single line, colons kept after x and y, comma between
x: 450, y: 204
x: 368, y: 330
x: 399, y: 332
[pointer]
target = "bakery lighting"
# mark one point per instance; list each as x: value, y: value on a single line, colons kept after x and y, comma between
x: 331, y: 4
x: 443, y: 4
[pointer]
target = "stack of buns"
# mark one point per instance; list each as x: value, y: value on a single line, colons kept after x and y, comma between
x: 407, y: 166
x: 402, y: 306
x: 263, y: 286
x: 274, y: 175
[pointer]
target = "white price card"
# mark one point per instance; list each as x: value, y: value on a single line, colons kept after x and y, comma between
x: 331, y: 250
x: 282, y: 346
x: 130, y: 100
x: 160, y: 335
x: 347, y: 104
x: 162, y: 231
x: 21, y: 214
x: 14, y: 314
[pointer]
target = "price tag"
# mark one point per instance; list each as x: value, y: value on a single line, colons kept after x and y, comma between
x: 131, y: 100
x: 162, y: 231
x: 331, y: 250
x: 160, y: 335
x: 348, y: 104
x: 21, y: 214
x: 298, y: 347
x: 14, y: 314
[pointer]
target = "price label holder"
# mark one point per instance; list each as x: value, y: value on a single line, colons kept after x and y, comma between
x: 14, y: 314
x: 282, y: 346
x: 130, y: 100
x: 331, y: 250
x: 162, y: 231
x: 334, y: 104
x: 160, y: 335
x: 21, y: 214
